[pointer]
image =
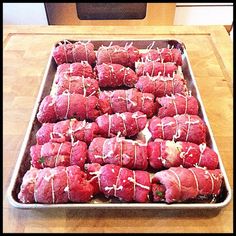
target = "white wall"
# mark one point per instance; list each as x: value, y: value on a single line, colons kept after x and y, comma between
x: 24, y: 14
x: 203, y: 14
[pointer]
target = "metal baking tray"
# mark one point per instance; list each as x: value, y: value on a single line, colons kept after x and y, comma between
x: 23, y: 161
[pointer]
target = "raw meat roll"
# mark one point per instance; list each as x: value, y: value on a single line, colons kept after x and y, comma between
x: 126, y: 56
x: 163, y: 55
x: 78, y: 85
x: 125, y: 184
x: 130, y: 100
x: 82, y: 69
x: 55, y: 185
x: 126, y: 124
x: 154, y: 68
x: 189, y: 128
x: 115, y: 75
x: 160, y: 86
x: 68, y: 106
x: 119, y: 151
x: 68, y: 52
x: 176, y: 105
x: 179, y: 184
x: 54, y: 154
x: 166, y: 154
x: 67, y: 130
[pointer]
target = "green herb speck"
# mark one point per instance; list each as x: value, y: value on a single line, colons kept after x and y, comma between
x: 160, y: 194
x: 41, y: 160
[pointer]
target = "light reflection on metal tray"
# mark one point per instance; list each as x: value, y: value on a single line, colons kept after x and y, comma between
x: 23, y: 161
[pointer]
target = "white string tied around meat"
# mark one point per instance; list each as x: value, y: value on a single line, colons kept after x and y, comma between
x: 67, y: 188
x: 123, y: 117
x: 202, y: 148
x: 136, y: 117
x: 58, y: 153
x: 51, y: 178
x: 178, y: 179
x: 67, y: 93
x: 35, y: 190
x: 183, y: 154
x: 109, y: 125
x: 117, y: 180
x: 189, y: 122
x: 196, y: 180
x: 133, y: 180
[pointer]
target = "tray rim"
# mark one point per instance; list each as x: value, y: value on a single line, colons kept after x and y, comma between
x: 132, y: 205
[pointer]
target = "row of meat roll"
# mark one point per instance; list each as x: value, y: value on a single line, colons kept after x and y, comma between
x: 67, y: 105
x: 71, y: 184
x: 158, y: 154
x: 85, y: 137
x: 164, y: 79
x: 67, y: 52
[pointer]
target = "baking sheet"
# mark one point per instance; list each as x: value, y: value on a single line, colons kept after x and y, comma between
x: 23, y: 161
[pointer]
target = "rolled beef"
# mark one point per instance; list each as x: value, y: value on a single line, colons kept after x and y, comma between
x: 189, y: 128
x: 161, y: 86
x: 66, y: 106
x: 115, y: 75
x: 119, y: 151
x: 82, y: 69
x: 78, y: 85
x: 68, y: 52
x: 126, y: 124
x: 163, y: 55
x: 55, y: 185
x: 178, y: 184
x: 131, y: 100
x: 67, y: 130
x: 114, y: 54
x: 155, y: 68
x: 54, y: 154
x: 176, y: 105
x: 165, y: 154
x: 123, y: 183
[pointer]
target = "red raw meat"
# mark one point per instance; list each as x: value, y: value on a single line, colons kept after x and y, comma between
x: 54, y: 154
x: 67, y: 130
x: 163, y: 55
x: 115, y: 75
x: 68, y: 52
x: 176, y: 105
x: 179, y: 184
x: 155, y: 68
x: 78, y: 85
x: 126, y: 124
x: 125, y: 184
x: 119, y: 151
x: 126, y: 56
x: 189, y: 128
x: 55, y: 185
x: 82, y: 69
x: 130, y: 100
x: 68, y: 106
x: 166, y: 154
x: 160, y: 86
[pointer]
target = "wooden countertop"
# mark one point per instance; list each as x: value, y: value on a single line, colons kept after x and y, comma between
x: 26, y: 52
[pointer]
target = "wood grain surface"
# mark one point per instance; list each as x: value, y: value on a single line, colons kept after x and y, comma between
x: 25, y: 56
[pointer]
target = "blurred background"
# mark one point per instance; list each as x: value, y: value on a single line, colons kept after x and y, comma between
x: 131, y: 14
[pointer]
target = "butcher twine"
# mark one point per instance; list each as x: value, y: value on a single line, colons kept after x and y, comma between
x: 67, y: 188
x: 196, y: 180
x: 117, y: 180
x: 58, y: 153
x: 202, y: 148
x: 178, y: 179
x: 35, y: 190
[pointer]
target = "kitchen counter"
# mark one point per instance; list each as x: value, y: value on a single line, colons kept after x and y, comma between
x: 25, y: 56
